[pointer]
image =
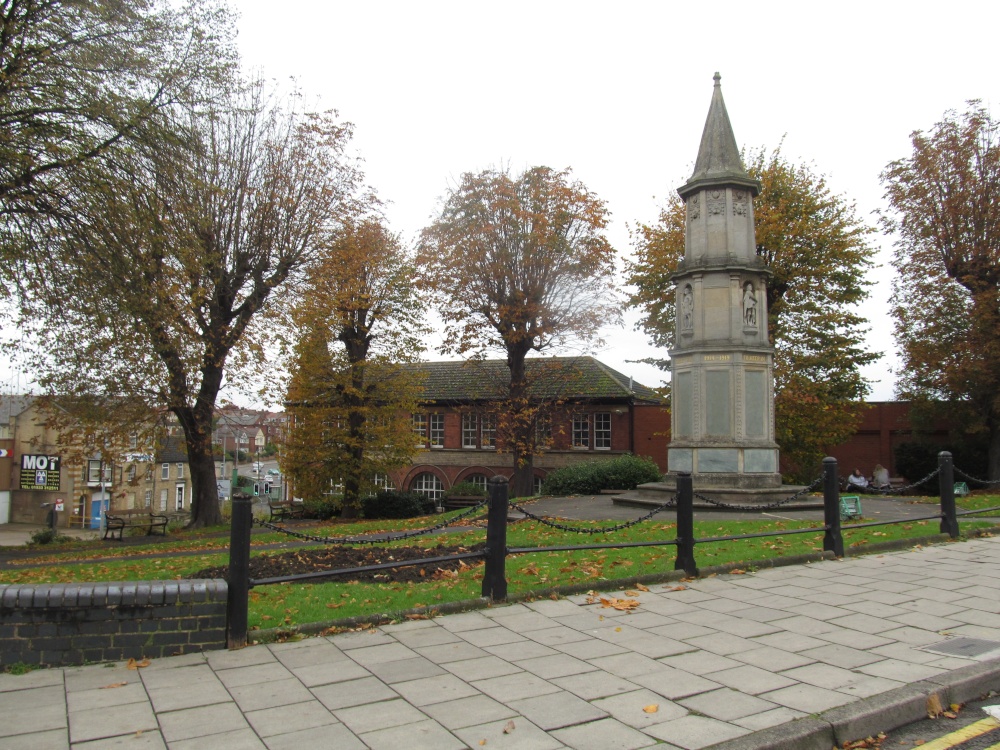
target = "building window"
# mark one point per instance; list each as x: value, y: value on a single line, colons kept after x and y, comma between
x: 131, y: 473
x: 477, y: 479
x: 543, y: 431
x: 429, y: 485
x: 163, y: 500
x: 180, y: 471
x: 149, y: 498
x: 419, y: 422
x: 489, y: 432
x: 437, y: 430
x: 536, y: 484
x: 384, y: 482
x: 581, y: 431
x: 93, y: 471
x: 133, y: 441
x: 149, y: 473
x: 165, y: 471
x: 334, y: 488
x: 179, y: 504
x: 602, y: 431
x: 470, y: 430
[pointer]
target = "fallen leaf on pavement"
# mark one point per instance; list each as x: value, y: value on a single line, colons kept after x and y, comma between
x: 652, y: 708
x: 133, y: 664
x: 622, y: 605
x: 114, y: 685
x: 508, y: 727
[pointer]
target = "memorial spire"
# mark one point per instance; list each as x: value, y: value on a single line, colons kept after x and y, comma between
x: 719, y: 162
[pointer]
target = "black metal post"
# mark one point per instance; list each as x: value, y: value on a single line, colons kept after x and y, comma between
x: 495, y: 575
x: 946, y: 475
x: 239, y: 571
x: 833, y: 540
x: 685, y: 525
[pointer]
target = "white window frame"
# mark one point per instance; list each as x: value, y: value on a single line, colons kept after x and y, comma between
x: 149, y: 498
x: 581, y: 432
x: 131, y: 473
x: 488, y: 432
x: 179, y: 492
x: 470, y: 430
x: 93, y: 471
x: 477, y: 479
x: 602, y: 431
x: 180, y: 471
x: 384, y: 482
x: 543, y: 431
x: 435, y: 430
x: 429, y: 485
x: 164, y: 493
x: 419, y: 426
x: 164, y: 471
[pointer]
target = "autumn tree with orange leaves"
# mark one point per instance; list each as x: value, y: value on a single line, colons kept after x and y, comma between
x: 945, y: 213
x: 818, y: 251
x: 357, y: 323
x: 519, y: 264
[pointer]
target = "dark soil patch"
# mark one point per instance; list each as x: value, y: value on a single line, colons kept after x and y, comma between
x: 276, y: 565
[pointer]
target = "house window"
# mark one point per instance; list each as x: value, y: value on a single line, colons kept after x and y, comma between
x: 543, y: 431
x: 581, y: 431
x: 470, y: 430
x: 429, y: 485
x: 384, y: 482
x: 489, y: 431
x: 149, y: 498
x: 334, y: 487
x: 477, y: 479
x: 437, y: 430
x: 131, y: 473
x: 165, y: 471
x: 149, y: 473
x: 180, y: 471
x: 536, y: 484
x: 602, y: 431
x: 133, y: 441
x: 93, y: 471
x: 419, y: 422
x: 163, y: 500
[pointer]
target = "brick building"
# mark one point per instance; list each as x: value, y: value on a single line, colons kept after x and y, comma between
x: 593, y: 412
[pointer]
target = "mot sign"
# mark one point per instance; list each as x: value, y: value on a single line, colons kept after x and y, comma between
x: 39, y: 472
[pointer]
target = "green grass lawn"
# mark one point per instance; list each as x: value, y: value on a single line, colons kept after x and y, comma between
x: 286, y: 605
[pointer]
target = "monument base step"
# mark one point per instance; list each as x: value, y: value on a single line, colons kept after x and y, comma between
x: 654, y: 494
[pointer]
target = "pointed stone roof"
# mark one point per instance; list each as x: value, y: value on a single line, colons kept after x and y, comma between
x: 719, y: 163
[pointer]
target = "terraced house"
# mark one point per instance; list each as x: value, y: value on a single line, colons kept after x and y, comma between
x: 587, y: 411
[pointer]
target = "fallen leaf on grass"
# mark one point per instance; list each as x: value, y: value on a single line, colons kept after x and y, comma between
x: 114, y: 685
x: 652, y: 708
x: 133, y: 664
x: 508, y: 727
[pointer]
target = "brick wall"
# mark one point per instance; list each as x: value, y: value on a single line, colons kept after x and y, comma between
x: 73, y: 623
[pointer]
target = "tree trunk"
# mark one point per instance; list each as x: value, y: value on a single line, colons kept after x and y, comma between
x: 357, y: 342
x: 993, y: 454
x: 205, y: 510
x: 520, y: 426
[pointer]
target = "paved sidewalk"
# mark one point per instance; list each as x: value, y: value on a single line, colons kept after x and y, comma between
x: 796, y: 657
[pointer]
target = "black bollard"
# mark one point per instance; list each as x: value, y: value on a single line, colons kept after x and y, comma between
x: 946, y: 476
x: 833, y: 540
x: 685, y: 525
x: 495, y: 573
x: 239, y: 571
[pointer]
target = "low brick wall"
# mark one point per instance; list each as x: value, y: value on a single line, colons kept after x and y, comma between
x: 61, y: 624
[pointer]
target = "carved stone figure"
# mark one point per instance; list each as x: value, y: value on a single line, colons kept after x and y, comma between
x: 749, y: 305
x: 687, y: 309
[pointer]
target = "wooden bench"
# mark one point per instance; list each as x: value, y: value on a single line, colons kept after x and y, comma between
x: 283, y: 509
x: 119, y: 520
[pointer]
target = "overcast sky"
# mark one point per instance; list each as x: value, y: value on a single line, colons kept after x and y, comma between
x: 619, y: 92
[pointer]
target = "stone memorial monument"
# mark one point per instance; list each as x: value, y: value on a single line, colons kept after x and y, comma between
x: 722, y: 383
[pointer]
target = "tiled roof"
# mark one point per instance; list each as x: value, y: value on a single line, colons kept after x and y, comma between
x: 571, y: 378
x: 11, y: 406
x: 173, y: 451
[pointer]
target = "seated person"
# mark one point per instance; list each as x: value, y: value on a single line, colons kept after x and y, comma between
x: 857, y: 481
x: 880, y: 478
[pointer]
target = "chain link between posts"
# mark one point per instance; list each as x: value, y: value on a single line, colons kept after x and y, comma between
x: 770, y: 506
x: 976, y: 479
x: 381, y: 540
x: 547, y: 521
x: 869, y: 490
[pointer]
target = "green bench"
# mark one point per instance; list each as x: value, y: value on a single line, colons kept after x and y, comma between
x: 850, y: 507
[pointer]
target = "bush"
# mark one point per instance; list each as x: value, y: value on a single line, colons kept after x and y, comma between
x: 465, y: 488
x: 49, y: 536
x: 397, y: 504
x: 620, y: 473
x: 916, y: 460
x: 322, y: 508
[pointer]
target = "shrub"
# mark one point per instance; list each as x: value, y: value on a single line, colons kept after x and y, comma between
x: 465, y: 488
x: 49, y: 536
x: 916, y: 460
x: 619, y: 473
x: 397, y: 504
x: 322, y: 508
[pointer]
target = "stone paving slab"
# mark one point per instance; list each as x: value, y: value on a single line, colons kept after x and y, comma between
x: 792, y: 658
